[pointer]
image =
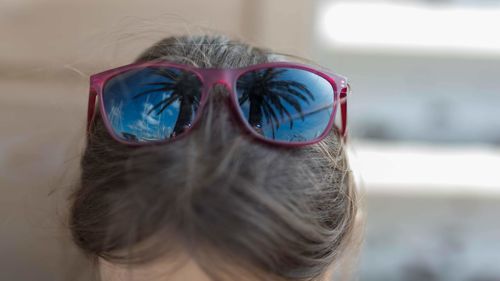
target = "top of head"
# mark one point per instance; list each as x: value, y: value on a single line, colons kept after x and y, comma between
x: 229, y: 204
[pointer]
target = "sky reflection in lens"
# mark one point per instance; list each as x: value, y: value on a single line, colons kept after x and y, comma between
x: 286, y: 104
x: 152, y: 104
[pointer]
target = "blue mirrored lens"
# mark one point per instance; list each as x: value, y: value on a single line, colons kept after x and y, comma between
x: 286, y: 104
x: 151, y: 104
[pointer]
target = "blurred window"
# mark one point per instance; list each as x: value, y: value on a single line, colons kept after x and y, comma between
x: 420, y: 70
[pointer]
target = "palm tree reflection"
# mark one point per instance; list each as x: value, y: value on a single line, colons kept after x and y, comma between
x: 267, y: 94
x: 184, y: 87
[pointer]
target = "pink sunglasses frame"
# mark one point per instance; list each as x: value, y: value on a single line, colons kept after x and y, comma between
x: 227, y: 77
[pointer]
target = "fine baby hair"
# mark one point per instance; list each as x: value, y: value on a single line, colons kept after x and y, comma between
x: 238, y: 208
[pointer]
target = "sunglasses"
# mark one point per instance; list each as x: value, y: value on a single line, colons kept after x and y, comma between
x: 156, y: 102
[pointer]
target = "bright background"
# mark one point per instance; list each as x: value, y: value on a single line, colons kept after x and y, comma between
x: 423, y: 117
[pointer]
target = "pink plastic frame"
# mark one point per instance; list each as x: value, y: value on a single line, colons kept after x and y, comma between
x: 228, y: 78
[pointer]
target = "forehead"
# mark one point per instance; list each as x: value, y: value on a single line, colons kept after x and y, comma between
x: 161, y: 270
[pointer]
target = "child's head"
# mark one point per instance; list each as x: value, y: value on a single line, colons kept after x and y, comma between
x: 215, y: 198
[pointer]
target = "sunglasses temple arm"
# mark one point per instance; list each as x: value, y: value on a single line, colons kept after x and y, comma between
x: 91, y: 108
x: 343, y: 110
